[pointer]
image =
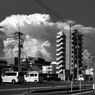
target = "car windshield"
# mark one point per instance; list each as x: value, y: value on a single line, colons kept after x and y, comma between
x: 9, y: 74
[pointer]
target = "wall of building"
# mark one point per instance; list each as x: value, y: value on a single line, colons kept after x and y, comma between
x: 47, y: 69
x: 89, y: 71
x: 73, y: 60
x: 68, y: 45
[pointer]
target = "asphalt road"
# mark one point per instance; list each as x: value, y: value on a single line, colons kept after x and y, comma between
x: 13, y: 89
x: 10, y: 89
x: 62, y: 93
x: 27, y: 85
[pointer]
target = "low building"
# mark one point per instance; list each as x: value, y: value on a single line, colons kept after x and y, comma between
x: 30, y: 63
x: 47, y: 69
x: 50, y: 69
x: 89, y: 71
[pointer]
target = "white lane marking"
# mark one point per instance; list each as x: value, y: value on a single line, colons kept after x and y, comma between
x: 60, y: 86
x: 82, y: 92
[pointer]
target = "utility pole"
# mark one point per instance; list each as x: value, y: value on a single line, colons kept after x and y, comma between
x: 77, y: 58
x: 19, y: 51
x: 70, y: 25
x: 19, y: 48
x: 70, y: 49
x: 89, y: 67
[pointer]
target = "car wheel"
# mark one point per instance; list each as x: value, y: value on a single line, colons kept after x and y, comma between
x: 13, y: 81
x: 35, y: 81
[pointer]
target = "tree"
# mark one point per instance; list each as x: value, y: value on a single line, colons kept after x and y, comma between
x: 86, y: 59
x: 26, y: 65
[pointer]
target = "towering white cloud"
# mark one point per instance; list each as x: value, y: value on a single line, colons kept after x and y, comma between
x: 13, y: 22
x: 35, y: 26
x: 35, y: 48
x: 40, y: 34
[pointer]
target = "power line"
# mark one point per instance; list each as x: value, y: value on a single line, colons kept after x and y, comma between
x: 52, y: 11
x: 59, y: 17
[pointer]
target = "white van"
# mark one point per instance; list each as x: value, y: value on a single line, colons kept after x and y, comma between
x: 33, y: 76
x: 13, y: 77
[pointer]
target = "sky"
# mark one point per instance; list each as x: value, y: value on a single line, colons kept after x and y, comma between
x: 79, y: 11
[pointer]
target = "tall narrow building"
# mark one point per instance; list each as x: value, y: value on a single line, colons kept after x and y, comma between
x: 61, y: 52
x: 76, y: 53
x: 69, y: 45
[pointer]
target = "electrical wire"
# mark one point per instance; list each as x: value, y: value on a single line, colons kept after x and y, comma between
x: 52, y: 11
x: 60, y: 17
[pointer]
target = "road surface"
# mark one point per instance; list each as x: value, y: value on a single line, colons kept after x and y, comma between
x: 12, y: 89
x: 62, y: 93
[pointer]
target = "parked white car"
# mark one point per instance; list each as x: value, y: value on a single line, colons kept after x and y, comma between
x: 13, y: 77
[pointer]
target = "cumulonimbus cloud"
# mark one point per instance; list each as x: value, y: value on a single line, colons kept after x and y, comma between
x: 35, y: 27
x: 40, y: 34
